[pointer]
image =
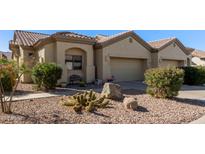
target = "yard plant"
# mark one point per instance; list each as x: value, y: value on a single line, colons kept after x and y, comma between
x: 87, y: 100
x: 164, y: 82
x: 46, y: 75
x: 194, y: 75
x: 8, y: 81
x: 13, y: 77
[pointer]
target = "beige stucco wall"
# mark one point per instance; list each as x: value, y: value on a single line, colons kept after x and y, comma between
x: 99, y: 63
x: 47, y: 53
x: 29, y: 61
x: 121, y: 49
x: 189, y: 60
x: 154, y: 60
x: 62, y: 47
x: 172, y: 52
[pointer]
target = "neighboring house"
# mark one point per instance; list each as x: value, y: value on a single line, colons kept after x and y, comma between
x: 124, y: 56
x: 171, y: 52
x: 198, y: 57
x: 2, y: 55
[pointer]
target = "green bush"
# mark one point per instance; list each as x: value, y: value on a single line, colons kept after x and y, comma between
x: 194, y: 75
x: 46, y: 75
x: 7, y: 82
x: 164, y: 82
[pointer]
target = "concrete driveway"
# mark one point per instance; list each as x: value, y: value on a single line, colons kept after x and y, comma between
x: 186, y: 92
x: 192, y: 92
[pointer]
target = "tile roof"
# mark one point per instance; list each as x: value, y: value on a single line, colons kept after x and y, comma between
x: 160, y: 43
x: 27, y: 38
x: 103, y: 38
x: 30, y: 39
x: 72, y: 35
x: 198, y: 53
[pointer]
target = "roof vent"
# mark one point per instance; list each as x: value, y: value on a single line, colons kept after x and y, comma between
x: 130, y: 40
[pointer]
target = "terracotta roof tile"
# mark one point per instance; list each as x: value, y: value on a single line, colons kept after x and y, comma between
x: 198, y: 53
x: 30, y: 38
x: 160, y: 43
x: 27, y: 38
x: 72, y: 35
x: 103, y: 38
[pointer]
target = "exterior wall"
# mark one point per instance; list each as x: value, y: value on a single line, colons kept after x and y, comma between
x: 62, y: 47
x: 99, y: 63
x: 29, y: 61
x: 189, y: 60
x: 171, y: 63
x: 122, y: 49
x: 155, y: 60
x: 47, y: 53
x: 172, y: 53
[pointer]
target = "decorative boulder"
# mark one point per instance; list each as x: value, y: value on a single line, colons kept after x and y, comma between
x: 130, y: 103
x: 112, y: 91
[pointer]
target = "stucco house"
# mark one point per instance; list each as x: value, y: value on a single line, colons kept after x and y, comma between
x: 198, y: 57
x: 124, y: 56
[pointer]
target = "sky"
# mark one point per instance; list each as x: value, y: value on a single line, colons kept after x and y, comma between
x: 190, y: 38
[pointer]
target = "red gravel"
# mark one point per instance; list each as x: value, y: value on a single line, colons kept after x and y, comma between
x: 151, y: 110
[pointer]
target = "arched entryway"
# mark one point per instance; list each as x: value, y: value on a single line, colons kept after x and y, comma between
x: 75, y: 61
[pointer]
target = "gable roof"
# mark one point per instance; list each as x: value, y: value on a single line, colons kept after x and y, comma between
x: 30, y: 39
x: 163, y: 43
x: 104, y: 38
x: 103, y: 41
x: 160, y: 43
x: 33, y: 39
x: 198, y: 53
x: 26, y: 38
x: 72, y: 35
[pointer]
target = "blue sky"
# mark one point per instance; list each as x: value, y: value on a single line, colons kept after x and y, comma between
x: 190, y: 38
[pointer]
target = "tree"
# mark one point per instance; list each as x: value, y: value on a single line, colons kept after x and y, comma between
x: 6, y: 101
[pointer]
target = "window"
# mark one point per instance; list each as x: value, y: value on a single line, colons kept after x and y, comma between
x: 73, y: 62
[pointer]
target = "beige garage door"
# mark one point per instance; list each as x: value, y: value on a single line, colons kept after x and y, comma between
x: 127, y: 69
x: 167, y: 63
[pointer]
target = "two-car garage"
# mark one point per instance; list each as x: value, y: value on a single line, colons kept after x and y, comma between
x: 125, y: 57
x: 171, y: 63
x: 127, y: 69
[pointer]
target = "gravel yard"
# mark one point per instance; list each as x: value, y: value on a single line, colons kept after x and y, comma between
x: 151, y: 110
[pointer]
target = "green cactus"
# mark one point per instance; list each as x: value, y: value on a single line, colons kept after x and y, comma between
x: 87, y: 100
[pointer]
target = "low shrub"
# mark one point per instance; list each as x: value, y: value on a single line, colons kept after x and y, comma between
x: 164, y: 82
x: 6, y: 80
x: 194, y: 75
x: 46, y: 75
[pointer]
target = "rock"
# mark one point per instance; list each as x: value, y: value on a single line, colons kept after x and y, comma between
x: 130, y: 103
x: 112, y: 91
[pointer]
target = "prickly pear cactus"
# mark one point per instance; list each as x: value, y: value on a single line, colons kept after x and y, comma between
x: 88, y: 100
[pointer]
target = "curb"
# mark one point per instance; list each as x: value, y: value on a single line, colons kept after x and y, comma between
x: 199, y: 121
